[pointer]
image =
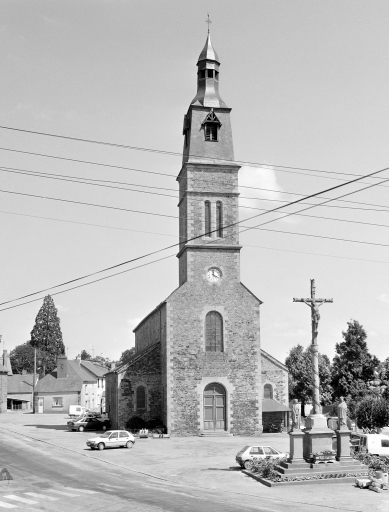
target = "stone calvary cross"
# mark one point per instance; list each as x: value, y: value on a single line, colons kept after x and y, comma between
x: 314, y: 303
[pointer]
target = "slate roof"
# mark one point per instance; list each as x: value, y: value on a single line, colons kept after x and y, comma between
x: 270, y: 405
x: 96, y: 369
x: 76, y: 376
x: 19, y: 383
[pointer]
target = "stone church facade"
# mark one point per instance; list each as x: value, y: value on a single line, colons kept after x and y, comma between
x: 198, y: 362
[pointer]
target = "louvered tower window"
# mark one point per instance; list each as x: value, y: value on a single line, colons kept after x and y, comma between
x: 219, y: 219
x: 211, y: 126
x: 207, y: 217
x: 214, y: 332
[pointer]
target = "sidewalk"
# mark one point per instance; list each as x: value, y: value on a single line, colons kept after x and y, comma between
x: 197, y: 462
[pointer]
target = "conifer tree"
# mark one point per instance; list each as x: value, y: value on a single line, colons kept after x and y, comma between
x: 47, y: 336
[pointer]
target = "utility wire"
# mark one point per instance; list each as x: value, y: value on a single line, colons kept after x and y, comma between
x: 38, y: 175
x: 101, y: 183
x: 215, y: 230
x: 172, y: 153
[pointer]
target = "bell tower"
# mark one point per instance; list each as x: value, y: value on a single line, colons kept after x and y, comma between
x: 208, y: 180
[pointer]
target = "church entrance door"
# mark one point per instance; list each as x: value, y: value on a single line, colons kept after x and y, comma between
x: 214, y: 407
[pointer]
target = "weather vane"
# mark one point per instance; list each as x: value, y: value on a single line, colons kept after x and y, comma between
x: 208, y: 21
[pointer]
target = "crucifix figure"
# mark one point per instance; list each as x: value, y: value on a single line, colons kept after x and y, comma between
x: 314, y: 304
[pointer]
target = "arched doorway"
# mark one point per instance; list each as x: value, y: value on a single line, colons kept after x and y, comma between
x: 214, y: 407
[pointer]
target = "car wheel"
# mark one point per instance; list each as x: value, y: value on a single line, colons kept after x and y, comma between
x: 129, y: 444
x: 81, y: 429
x: 247, y: 464
x: 101, y: 446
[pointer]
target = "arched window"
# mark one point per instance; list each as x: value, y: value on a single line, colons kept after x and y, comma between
x: 267, y: 391
x: 214, y: 332
x: 207, y: 217
x: 140, y: 397
x: 219, y: 219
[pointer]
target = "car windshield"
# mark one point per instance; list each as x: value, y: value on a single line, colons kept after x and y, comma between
x: 106, y: 434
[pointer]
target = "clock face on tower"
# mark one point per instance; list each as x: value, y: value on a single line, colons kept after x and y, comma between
x: 214, y: 274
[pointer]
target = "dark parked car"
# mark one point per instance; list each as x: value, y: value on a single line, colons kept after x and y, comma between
x: 90, y: 422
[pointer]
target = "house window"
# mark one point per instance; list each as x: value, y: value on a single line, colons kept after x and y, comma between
x: 141, y: 397
x: 207, y: 218
x: 57, y: 401
x: 219, y: 219
x: 267, y: 391
x: 214, y: 332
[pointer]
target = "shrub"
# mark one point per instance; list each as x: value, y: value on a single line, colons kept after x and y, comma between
x: 372, y: 413
x: 135, y: 423
x: 274, y: 427
x: 267, y: 468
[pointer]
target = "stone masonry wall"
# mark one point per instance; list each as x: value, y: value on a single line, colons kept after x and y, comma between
x: 145, y: 371
x: 275, y: 375
x: 3, y: 391
x: 190, y: 367
x: 151, y: 330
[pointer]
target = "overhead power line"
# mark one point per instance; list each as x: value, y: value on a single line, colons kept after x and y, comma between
x: 103, y: 183
x: 297, y: 201
x: 171, y: 153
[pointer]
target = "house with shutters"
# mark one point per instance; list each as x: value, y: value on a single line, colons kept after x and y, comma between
x: 73, y: 382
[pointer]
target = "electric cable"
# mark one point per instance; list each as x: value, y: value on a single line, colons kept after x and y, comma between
x: 225, y: 227
x: 101, y: 183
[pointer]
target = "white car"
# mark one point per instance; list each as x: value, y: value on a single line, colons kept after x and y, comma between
x: 247, y: 454
x: 112, y: 439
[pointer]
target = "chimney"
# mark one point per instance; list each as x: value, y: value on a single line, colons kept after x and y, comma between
x: 62, y: 366
x: 7, y: 362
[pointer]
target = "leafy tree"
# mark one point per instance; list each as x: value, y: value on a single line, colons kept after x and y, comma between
x: 22, y: 358
x: 85, y: 356
x: 299, y: 364
x: 372, y: 413
x: 353, y: 366
x: 47, y: 336
x: 127, y: 355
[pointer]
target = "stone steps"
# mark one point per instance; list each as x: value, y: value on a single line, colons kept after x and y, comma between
x: 298, y: 469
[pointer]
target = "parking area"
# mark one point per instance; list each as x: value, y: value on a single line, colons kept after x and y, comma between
x: 207, y: 462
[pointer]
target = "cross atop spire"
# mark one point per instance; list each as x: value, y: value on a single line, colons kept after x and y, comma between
x: 208, y: 21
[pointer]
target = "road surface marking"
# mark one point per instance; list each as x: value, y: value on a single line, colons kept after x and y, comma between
x: 44, y: 496
x: 7, y: 505
x: 63, y: 493
x: 113, y: 486
x: 22, y: 500
x: 87, y: 491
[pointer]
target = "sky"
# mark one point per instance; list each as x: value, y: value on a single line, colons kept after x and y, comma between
x: 307, y: 81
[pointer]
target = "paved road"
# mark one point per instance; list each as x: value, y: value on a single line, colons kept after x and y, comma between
x: 50, y: 478
x: 53, y: 470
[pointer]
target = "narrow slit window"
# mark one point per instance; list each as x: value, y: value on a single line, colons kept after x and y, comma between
x: 219, y: 219
x: 141, y: 397
x: 214, y: 332
x: 207, y: 217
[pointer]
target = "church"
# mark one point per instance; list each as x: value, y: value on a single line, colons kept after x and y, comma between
x: 198, y: 365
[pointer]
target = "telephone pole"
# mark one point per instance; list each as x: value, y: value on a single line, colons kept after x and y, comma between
x: 314, y: 303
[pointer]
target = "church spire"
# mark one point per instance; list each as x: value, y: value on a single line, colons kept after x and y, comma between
x: 208, y: 77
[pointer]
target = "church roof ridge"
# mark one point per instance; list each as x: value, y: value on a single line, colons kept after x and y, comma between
x: 273, y: 359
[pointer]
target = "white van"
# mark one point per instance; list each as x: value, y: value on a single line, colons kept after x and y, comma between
x: 376, y: 444
x: 76, y: 410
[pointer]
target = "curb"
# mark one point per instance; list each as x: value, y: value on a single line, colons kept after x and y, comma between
x: 268, y: 483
